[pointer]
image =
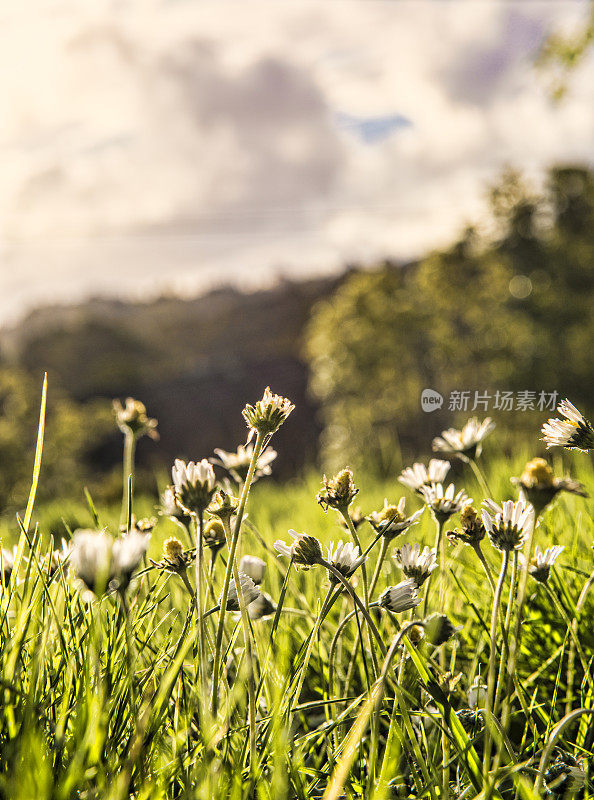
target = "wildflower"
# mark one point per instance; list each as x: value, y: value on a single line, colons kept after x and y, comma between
x: 469, y: 719
x: 254, y: 567
x: 194, y: 484
x: 91, y: 558
x: 565, y: 776
x: 539, y: 486
x: 101, y: 563
x: 237, y: 464
x: 132, y: 418
x: 169, y: 507
x: 466, y: 443
x: 574, y: 432
x: 223, y: 505
x: 540, y: 565
x: 391, y: 520
x: 416, y: 634
x: 213, y: 535
x: 305, y: 550
x: 262, y: 606
x: 249, y: 591
x: 472, y: 530
x: 477, y: 694
x: 419, y: 475
x: 448, y: 682
x: 345, y: 558
x: 415, y: 564
x: 175, y: 559
x: 145, y: 525
x: 401, y: 597
x: 338, y: 492
x: 508, y: 526
x: 439, y: 628
x: 268, y: 414
x: 444, y: 503
x: 127, y: 553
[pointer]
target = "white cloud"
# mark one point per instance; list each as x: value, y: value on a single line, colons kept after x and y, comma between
x: 182, y: 143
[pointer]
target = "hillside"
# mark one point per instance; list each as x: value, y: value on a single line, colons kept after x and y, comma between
x: 195, y: 363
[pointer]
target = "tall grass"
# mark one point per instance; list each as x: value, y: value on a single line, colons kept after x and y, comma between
x: 104, y: 699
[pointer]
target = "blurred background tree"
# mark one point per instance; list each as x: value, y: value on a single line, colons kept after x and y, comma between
x: 562, y: 53
x: 73, y: 432
x: 511, y: 312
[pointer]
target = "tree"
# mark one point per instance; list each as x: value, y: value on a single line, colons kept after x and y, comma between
x: 511, y: 313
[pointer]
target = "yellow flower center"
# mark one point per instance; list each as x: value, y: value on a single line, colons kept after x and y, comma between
x: 390, y: 513
x: 214, y: 531
x: 342, y: 482
x: 172, y: 549
x: 468, y: 516
x: 537, y: 473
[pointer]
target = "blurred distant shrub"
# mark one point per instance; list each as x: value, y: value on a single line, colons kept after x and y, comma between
x: 73, y: 431
x: 514, y: 311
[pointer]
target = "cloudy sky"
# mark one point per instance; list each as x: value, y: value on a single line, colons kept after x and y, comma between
x: 167, y: 145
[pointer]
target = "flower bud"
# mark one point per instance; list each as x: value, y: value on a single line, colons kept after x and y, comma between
x: 249, y: 592
x: 213, y: 535
x: 132, y: 418
x: 253, y: 567
x: 194, y: 484
x: 305, y: 551
x: 338, y: 492
x: 268, y: 414
x: 400, y: 598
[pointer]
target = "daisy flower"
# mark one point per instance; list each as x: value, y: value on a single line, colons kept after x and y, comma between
x: 444, y: 503
x: 574, y: 432
x: 345, y: 558
x: 416, y: 564
x: 401, y: 597
x: 508, y: 526
x: 465, y: 443
x: 540, y: 565
x: 391, y: 520
x: 237, y: 464
x: 419, y: 475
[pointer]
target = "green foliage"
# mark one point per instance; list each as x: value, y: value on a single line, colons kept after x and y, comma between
x: 96, y: 707
x: 511, y: 313
x: 103, y: 697
x: 73, y: 431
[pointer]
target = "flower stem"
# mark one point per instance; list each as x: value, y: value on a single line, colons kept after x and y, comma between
x: 515, y: 640
x: 485, y: 565
x: 438, y: 548
x: 232, y: 540
x: 349, y: 523
x: 199, y: 619
x: 506, y: 625
x: 478, y: 474
x: 128, y: 478
x: 492, y: 662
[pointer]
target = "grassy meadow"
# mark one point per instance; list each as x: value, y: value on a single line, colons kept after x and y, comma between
x: 139, y: 687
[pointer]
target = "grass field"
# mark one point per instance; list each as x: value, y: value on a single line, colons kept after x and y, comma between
x: 111, y: 695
